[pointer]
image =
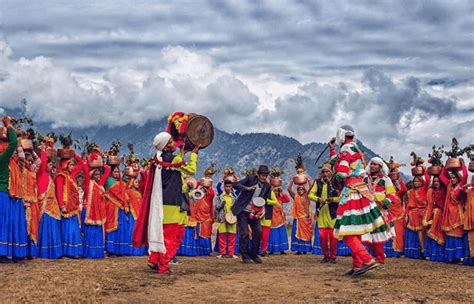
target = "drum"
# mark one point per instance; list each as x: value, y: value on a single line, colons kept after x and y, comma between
x: 230, y: 218
x: 258, y: 202
x: 199, y: 132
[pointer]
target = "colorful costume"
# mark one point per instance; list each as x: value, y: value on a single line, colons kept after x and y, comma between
x: 302, y: 231
x: 278, y: 241
x: 49, y: 234
x: 227, y: 232
x: 435, y: 238
x: 67, y: 193
x: 324, y: 240
x: 94, y: 215
x: 357, y: 213
x: 30, y: 197
x: 117, y: 226
x: 190, y: 246
x: 395, y: 246
x: 415, y: 232
x: 164, y: 205
x: 266, y: 222
x: 384, y: 192
x: 453, y: 217
x: 204, y: 214
x: 13, y: 230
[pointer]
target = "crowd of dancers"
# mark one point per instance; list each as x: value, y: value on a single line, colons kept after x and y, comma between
x: 57, y: 204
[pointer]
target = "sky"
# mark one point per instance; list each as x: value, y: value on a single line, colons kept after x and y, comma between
x: 400, y: 72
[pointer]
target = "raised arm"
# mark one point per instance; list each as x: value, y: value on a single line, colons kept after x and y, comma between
x: 242, y: 184
x: 59, y: 181
x: 79, y: 166
x: 190, y: 168
x: 106, y: 174
x: 290, y: 190
x: 313, y: 192
x: 443, y: 176
x: 13, y: 139
x: 272, y: 201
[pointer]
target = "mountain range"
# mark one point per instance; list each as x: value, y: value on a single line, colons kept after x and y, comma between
x: 241, y: 151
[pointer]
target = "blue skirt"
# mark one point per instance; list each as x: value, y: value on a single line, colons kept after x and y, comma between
x: 278, y: 240
x: 454, y: 248
x: 189, y: 245
x: 236, y: 250
x: 13, y: 231
x: 118, y: 241
x: 94, y: 246
x: 296, y: 244
x: 49, y: 238
x: 134, y: 251
x: 71, y: 237
x: 317, y: 243
x: 412, y: 244
x: 469, y: 261
x: 389, y: 251
x: 342, y: 249
x: 434, y: 251
x: 204, y: 245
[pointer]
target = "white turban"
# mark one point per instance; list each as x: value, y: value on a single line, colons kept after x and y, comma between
x: 380, y: 162
x: 342, y: 132
x: 161, y: 140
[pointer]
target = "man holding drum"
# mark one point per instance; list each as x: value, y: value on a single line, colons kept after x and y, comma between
x: 253, y: 188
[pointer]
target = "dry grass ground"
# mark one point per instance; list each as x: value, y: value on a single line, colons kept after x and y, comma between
x: 288, y: 278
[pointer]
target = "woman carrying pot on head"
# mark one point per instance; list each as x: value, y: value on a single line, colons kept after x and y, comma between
x: 13, y: 230
x: 467, y: 195
x: 357, y: 212
x: 118, y: 209
x: 278, y: 240
x: 452, y: 222
x: 435, y: 238
x: 415, y: 232
x: 326, y: 199
x: 302, y: 231
x: 67, y: 193
x: 49, y: 235
x: 30, y: 197
x: 94, y: 213
x: 204, y: 213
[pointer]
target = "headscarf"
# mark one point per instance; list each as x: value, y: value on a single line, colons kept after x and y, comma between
x: 380, y: 162
x: 342, y: 132
x: 156, y: 240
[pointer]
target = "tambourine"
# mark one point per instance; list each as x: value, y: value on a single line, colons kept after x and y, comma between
x: 258, y: 202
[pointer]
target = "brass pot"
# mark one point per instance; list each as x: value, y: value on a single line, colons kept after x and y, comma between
x: 453, y: 163
x: 66, y: 153
x: 114, y: 160
x: 230, y: 178
x: 96, y: 163
x: 434, y: 170
x: 26, y: 144
x: 130, y: 171
x: 394, y: 175
x: 3, y: 133
x: 276, y: 182
x: 300, y: 179
x: 417, y: 171
x: 50, y: 152
x: 471, y: 166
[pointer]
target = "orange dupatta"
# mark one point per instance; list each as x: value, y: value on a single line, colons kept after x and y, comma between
x: 301, y: 212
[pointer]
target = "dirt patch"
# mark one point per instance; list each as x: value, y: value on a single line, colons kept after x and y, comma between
x: 288, y: 278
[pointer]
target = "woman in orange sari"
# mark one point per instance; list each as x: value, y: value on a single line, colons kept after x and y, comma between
x: 395, y: 246
x: 278, y: 241
x: 452, y: 222
x: 94, y: 212
x: 415, y: 232
x: 30, y: 197
x: 302, y: 231
x: 435, y: 239
x: 135, y: 198
x: 467, y: 195
x: 204, y: 214
x: 117, y: 226
x: 67, y: 193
